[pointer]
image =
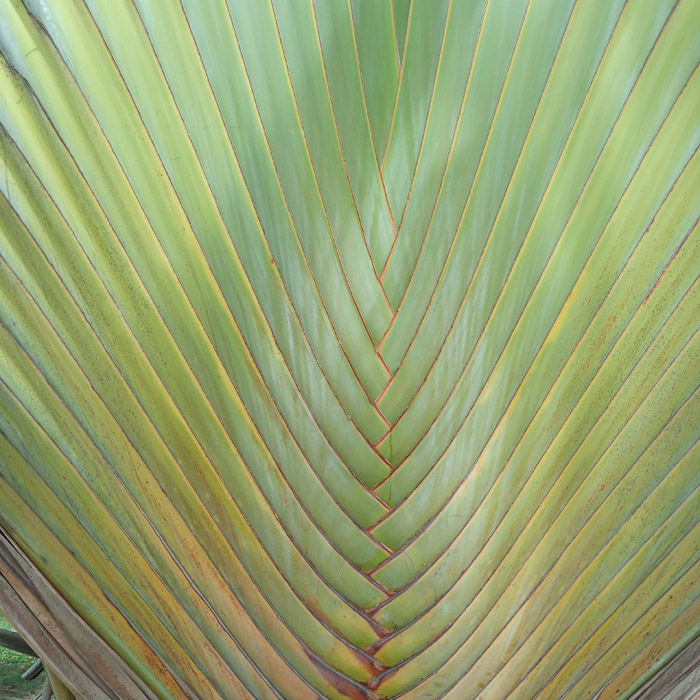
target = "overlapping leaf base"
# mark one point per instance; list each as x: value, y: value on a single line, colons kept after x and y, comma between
x: 350, y: 349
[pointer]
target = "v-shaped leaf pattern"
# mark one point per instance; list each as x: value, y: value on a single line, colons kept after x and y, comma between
x: 350, y: 349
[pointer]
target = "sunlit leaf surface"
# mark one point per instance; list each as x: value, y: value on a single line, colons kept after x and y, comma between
x: 349, y: 348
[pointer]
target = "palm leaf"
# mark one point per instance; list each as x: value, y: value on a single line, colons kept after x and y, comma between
x: 349, y: 349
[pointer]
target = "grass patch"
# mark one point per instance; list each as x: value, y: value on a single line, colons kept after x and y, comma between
x: 12, y: 666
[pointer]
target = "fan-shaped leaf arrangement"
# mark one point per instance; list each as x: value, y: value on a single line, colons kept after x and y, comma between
x: 349, y: 348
